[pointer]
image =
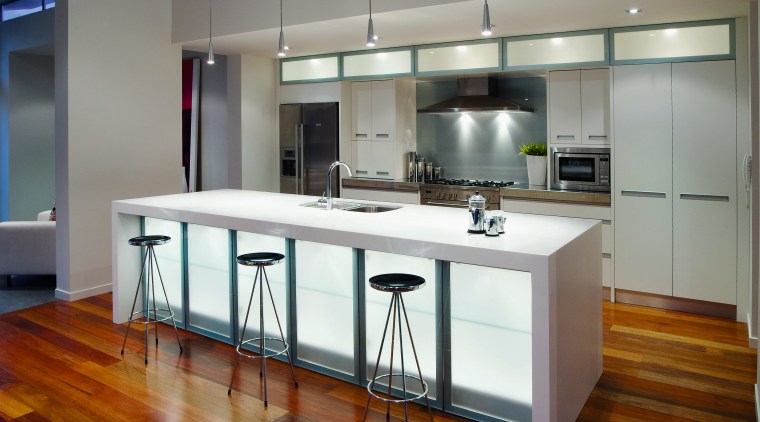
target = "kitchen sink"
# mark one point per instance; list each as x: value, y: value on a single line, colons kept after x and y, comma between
x: 351, y: 206
x: 372, y: 208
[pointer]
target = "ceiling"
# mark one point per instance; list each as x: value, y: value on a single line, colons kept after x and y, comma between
x: 327, y: 26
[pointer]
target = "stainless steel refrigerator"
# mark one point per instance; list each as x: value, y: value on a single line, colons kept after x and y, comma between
x: 308, y: 145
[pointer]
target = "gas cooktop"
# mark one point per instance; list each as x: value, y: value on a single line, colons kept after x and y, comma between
x: 470, y: 182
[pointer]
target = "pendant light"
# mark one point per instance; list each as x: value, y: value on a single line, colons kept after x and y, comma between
x: 486, y: 29
x: 210, y: 59
x: 370, y: 29
x: 281, y: 44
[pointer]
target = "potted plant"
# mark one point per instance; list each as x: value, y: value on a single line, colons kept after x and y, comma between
x: 535, y: 155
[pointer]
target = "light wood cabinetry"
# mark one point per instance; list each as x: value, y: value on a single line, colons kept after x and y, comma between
x: 382, y: 127
x: 675, y: 186
x: 579, y: 107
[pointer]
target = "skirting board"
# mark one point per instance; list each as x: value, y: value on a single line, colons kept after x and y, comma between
x: 81, y: 294
x: 752, y: 339
x: 719, y: 310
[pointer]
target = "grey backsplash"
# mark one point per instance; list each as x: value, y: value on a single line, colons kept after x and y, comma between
x: 482, y: 145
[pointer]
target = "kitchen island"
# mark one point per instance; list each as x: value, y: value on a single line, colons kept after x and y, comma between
x: 506, y: 328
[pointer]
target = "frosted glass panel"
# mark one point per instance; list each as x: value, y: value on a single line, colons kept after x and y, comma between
x: 491, y: 359
x: 169, y: 257
x: 208, y: 257
x: 458, y: 57
x: 277, y: 275
x: 325, y: 305
x: 309, y: 69
x: 673, y: 42
x: 556, y: 50
x: 420, y: 308
x: 381, y: 63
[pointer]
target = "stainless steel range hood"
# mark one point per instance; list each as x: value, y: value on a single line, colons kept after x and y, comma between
x: 476, y: 94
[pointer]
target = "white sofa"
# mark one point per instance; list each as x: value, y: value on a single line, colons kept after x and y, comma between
x: 27, y: 247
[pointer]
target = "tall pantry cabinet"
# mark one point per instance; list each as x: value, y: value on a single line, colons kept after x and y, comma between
x: 675, y: 186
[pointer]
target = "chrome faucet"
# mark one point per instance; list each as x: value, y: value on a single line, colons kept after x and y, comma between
x: 328, y: 191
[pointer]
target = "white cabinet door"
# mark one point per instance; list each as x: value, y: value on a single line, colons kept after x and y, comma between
x: 642, y: 167
x: 383, y: 110
x: 643, y: 128
x: 704, y: 181
x: 362, y: 157
x: 361, y: 116
x: 382, y: 159
x: 564, y: 107
x: 595, y: 106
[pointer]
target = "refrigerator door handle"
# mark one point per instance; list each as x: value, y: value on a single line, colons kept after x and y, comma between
x: 299, y: 159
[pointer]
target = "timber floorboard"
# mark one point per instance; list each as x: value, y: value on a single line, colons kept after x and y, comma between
x: 61, y: 361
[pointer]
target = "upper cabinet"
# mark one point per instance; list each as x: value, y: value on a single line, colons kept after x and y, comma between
x: 579, y: 107
x: 459, y: 57
x: 383, y: 124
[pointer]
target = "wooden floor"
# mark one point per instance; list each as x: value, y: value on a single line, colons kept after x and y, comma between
x: 60, y: 361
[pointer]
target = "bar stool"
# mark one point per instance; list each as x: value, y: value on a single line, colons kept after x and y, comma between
x: 261, y: 260
x: 397, y: 283
x: 147, y: 282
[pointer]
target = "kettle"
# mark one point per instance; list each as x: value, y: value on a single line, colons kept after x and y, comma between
x: 477, y: 210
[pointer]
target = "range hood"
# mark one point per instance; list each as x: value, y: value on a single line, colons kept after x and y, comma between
x: 476, y: 94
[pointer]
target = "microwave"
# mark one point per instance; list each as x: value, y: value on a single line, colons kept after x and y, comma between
x: 581, y: 169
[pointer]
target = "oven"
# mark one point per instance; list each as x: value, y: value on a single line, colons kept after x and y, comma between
x: 581, y: 169
x: 456, y: 192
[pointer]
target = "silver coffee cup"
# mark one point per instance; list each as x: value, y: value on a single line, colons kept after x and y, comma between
x: 492, y: 225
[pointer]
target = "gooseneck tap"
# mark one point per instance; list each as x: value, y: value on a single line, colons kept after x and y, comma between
x: 328, y: 191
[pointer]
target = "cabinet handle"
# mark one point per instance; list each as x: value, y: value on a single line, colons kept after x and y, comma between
x: 597, y: 137
x: 700, y: 197
x: 382, y: 135
x: 606, y: 255
x: 360, y: 135
x: 565, y: 137
x: 361, y: 171
x: 643, y: 193
x: 383, y: 173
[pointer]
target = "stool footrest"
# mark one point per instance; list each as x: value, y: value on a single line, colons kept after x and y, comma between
x: 408, y: 399
x: 156, y: 317
x: 268, y: 353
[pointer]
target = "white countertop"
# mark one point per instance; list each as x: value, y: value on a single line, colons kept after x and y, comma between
x: 416, y: 230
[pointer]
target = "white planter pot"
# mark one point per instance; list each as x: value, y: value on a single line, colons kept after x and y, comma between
x: 536, y: 170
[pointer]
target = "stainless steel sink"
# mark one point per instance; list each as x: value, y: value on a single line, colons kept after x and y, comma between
x: 372, y: 208
x: 351, y: 206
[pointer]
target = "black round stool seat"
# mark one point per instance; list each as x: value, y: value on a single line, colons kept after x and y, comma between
x: 151, y: 240
x: 260, y: 258
x: 396, y: 282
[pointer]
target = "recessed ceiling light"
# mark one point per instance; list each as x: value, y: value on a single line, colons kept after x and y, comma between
x: 633, y: 11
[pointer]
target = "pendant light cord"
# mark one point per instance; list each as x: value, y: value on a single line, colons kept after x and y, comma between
x: 370, y: 9
x: 209, y: 20
x: 280, y: 15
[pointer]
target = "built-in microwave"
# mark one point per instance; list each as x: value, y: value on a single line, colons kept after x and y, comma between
x: 581, y: 169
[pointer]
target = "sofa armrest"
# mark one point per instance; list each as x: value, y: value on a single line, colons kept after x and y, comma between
x: 27, y: 247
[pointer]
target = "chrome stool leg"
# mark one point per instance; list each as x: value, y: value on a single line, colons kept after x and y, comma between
x: 147, y: 282
x: 396, y: 308
x: 261, y: 279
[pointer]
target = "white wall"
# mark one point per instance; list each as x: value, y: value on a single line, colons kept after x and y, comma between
x: 258, y: 123
x: 31, y: 168
x: 118, y: 126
